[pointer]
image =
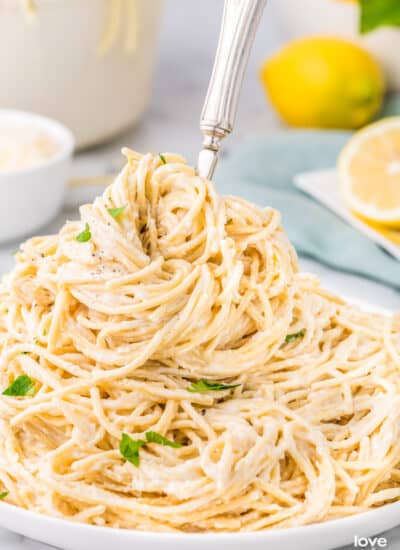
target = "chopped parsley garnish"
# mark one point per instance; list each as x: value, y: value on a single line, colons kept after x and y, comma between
x: 22, y: 386
x: 291, y: 337
x: 24, y: 352
x: 154, y: 437
x: 163, y: 159
x: 44, y: 332
x: 116, y: 212
x: 85, y: 235
x: 129, y: 448
x: 207, y: 385
x: 4, y: 495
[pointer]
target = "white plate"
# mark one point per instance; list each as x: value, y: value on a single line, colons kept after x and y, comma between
x: 69, y: 535
x: 75, y: 536
x: 324, y: 187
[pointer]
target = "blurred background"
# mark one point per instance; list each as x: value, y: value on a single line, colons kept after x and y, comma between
x: 135, y: 73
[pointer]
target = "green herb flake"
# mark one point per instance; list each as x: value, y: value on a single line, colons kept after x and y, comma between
x: 154, y: 437
x: 24, y: 352
x: 116, y: 212
x: 163, y: 159
x: 44, y: 333
x: 129, y: 449
x: 379, y: 13
x: 85, y: 235
x: 4, y: 495
x: 291, y: 337
x: 22, y: 386
x: 207, y: 385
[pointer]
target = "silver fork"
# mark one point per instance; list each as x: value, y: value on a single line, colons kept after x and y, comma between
x: 239, y: 25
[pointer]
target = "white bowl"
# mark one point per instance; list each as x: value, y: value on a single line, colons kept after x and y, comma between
x: 32, y: 196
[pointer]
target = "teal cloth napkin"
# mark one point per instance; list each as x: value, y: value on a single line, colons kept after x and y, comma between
x: 391, y: 106
x: 262, y: 171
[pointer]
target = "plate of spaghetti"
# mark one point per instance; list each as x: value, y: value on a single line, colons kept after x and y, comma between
x: 169, y: 377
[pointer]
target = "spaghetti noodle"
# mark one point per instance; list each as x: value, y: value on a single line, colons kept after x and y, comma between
x: 172, y: 325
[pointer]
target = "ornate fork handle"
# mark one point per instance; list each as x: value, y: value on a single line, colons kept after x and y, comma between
x: 239, y: 25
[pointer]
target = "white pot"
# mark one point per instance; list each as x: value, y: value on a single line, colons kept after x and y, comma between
x: 340, y: 19
x: 50, y: 64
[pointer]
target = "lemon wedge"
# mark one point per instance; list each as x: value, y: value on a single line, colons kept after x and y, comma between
x: 369, y: 173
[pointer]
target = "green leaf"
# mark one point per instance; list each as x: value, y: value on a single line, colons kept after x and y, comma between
x: 4, y: 495
x: 129, y: 449
x: 291, y: 337
x: 207, y: 385
x: 116, y: 212
x: 154, y: 437
x: 23, y: 385
x: 379, y: 13
x: 85, y: 235
x: 163, y: 159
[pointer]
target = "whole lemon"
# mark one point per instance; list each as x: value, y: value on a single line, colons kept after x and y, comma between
x: 324, y: 83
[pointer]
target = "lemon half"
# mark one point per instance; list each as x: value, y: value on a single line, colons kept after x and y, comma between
x: 369, y: 173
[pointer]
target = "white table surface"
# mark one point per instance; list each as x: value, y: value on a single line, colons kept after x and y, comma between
x: 185, y: 58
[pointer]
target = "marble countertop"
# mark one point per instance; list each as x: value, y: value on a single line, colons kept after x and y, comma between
x: 172, y: 124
